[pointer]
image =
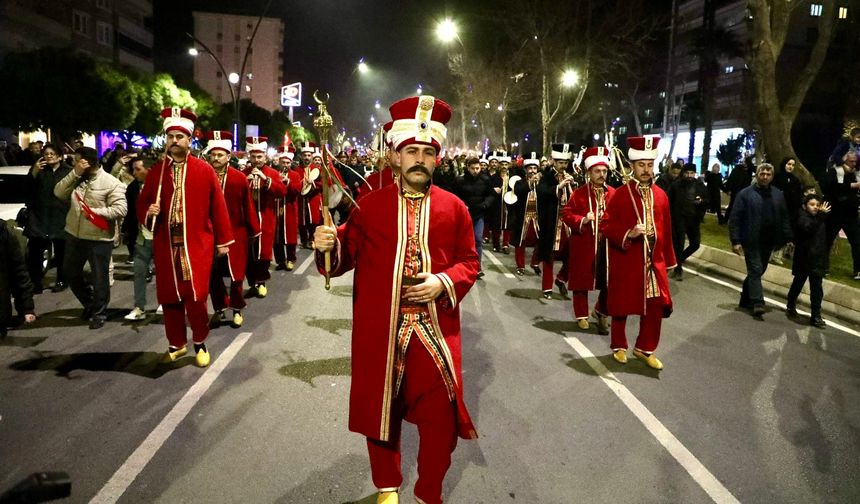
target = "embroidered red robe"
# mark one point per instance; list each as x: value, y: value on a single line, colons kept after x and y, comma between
x: 584, y: 237
x: 288, y: 208
x: 206, y: 225
x: 243, y: 218
x: 264, y: 200
x: 629, y: 259
x: 373, y: 243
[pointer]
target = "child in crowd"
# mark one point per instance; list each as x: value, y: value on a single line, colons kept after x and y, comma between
x: 811, y: 256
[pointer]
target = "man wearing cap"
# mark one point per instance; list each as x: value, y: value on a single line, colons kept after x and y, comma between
x: 553, y: 193
x: 413, y: 251
x: 638, y: 228
x: 287, y: 226
x: 266, y: 188
x: 193, y: 227
x: 525, y: 229
x: 310, y: 204
x: 588, y: 253
x: 245, y: 224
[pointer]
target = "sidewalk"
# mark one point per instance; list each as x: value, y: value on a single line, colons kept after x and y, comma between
x: 840, y: 301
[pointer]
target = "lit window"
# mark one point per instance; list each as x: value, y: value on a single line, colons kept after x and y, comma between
x: 648, y: 112
x: 815, y: 9
x: 843, y: 13
x: 648, y: 126
x: 622, y: 130
x: 662, y: 94
x: 730, y: 69
x: 104, y: 34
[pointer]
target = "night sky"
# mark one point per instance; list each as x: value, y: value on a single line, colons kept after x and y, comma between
x: 324, y: 42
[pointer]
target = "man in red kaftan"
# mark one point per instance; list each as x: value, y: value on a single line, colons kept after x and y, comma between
x: 187, y: 234
x: 411, y: 246
x: 587, y: 261
x: 638, y: 228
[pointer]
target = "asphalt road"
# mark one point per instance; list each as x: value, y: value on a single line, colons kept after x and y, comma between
x: 745, y: 410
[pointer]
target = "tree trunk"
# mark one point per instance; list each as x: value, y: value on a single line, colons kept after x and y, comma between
x: 504, y: 128
x: 463, y: 124
x: 544, y: 115
x: 691, y: 149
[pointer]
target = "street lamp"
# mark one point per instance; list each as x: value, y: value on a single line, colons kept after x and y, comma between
x: 569, y: 78
x: 362, y: 66
x: 376, y: 105
x: 233, y: 78
x: 419, y: 90
x: 447, y: 30
x: 193, y: 51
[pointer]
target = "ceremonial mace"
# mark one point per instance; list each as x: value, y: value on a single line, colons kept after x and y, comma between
x: 323, y: 123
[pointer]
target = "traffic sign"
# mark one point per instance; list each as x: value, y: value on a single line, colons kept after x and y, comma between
x: 291, y: 95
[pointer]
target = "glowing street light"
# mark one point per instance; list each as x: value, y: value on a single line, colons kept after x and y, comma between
x: 419, y: 90
x: 447, y: 30
x: 362, y: 66
x: 193, y: 51
x: 376, y: 105
x: 569, y: 78
x: 233, y: 78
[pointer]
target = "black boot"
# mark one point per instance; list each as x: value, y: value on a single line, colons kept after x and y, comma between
x: 817, y: 321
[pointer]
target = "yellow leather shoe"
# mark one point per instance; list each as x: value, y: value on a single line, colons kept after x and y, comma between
x: 650, y: 359
x: 387, y: 498
x: 290, y: 265
x: 202, y: 359
x: 169, y: 356
x: 262, y: 291
x: 620, y: 355
x: 582, y: 324
x: 238, y: 319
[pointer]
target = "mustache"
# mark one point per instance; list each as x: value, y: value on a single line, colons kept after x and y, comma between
x: 419, y: 168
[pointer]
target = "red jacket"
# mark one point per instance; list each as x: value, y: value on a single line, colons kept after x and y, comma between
x: 267, y: 208
x: 584, y: 239
x: 206, y: 225
x: 288, y: 208
x: 371, y: 244
x: 627, y: 266
x: 244, y: 219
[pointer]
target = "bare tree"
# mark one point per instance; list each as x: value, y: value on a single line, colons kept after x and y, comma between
x: 777, y: 111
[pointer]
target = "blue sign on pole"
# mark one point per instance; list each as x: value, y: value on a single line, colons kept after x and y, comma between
x: 291, y: 95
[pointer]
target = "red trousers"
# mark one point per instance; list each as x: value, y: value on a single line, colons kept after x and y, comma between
x: 529, y: 240
x: 649, y: 328
x: 423, y: 401
x: 580, y: 303
x: 502, y: 237
x: 547, y: 274
x: 174, y: 318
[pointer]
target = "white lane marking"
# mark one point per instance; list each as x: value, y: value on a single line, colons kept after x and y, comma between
x: 125, y: 475
x: 307, y: 262
x: 495, y: 260
x: 709, y: 483
x: 780, y: 304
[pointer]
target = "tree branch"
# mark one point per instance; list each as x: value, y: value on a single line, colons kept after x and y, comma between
x: 816, y: 59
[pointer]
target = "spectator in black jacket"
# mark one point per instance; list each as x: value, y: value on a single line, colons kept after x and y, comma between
x: 14, y: 281
x: 445, y: 176
x: 476, y: 191
x: 739, y: 179
x: 47, y: 216
x: 840, y: 189
x: 811, y: 257
x: 714, y: 183
x: 688, y: 199
x: 758, y: 224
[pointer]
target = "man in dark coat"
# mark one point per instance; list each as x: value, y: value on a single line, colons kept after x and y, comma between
x: 14, y: 281
x: 477, y: 193
x: 688, y: 199
x: 714, y: 183
x: 757, y: 225
x: 840, y: 188
x: 553, y: 193
x: 739, y: 179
